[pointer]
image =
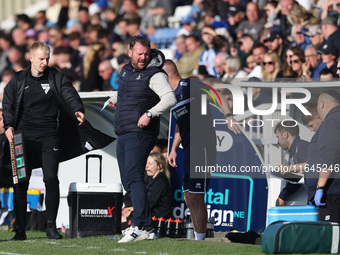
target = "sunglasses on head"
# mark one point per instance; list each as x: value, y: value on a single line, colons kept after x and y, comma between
x: 268, y: 63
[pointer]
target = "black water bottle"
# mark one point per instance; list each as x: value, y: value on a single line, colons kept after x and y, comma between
x: 169, y: 228
x: 178, y: 228
x: 161, y: 227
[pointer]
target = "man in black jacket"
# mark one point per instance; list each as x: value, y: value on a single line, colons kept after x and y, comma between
x: 34, y: 102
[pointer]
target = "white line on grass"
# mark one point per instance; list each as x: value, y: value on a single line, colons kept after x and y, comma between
x: 92, y: 247
x: 9, y: 253
x: 118, y: 250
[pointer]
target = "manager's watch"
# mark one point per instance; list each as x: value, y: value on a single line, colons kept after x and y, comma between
x: 318, y: 187
x: 149, y: 114
x: 228, y: 115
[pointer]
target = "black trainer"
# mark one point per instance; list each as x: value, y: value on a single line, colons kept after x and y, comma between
x: 52, y: 232
x: 20, y: 235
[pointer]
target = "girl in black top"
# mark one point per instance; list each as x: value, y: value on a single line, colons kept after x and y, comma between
x: 158, y: 186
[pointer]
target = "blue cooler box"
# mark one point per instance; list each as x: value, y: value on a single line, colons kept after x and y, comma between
x: 95, y: 209
x: 292, y: 213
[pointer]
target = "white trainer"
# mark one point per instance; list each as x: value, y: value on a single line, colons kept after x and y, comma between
x: 134, y: 234
x: 127, y: 230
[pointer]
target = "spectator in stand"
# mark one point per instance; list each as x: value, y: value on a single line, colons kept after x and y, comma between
x: 271, y: 66
x: 313, y: 64
x: 188, y: 62
x: 133, y: 25
x: 14, y: 54
x: 103, y: 37
x: 209, y: 53
x: 122, y: 31
x: 328, y: 10
x: 219, y: 63
x: 5, y: 44
x: 118, y: 48
x: 224, y: 7
x: 74, y: 39
x: 92, y: 33
x: 251, y: 64
x: 23, y: 21
x: 299, y: 16
x: 56, y: 38
x: 188, y: 27
x: 7, y: 75
x: 155, y: 14
x: 275, y: 43
x: 326, y: 74
x: 105, y: 71
x: 282, y: 11
x: 221, y: 43
x: 287, y: 71
x: 233, y: 71
x: 272, y: 21
x: 127, y: 8
x: 212, y: 19
x: 84, y: 17
x: 40, y: 21
x: 158, y: 188
x: 43, y: 36
x: 329, y: 54
x: 20, y: 64
x: 19, y: 39
x: 315, y: 35
x: 235, y: 17
x: 62, y: 60
x: 122, y: 60
x: 180, y: 47
x: 90, y: 78
x: 246, y: 43
x: 331, y: 32
x: 96, y: 19
x: 299, y: 38
x: 31, y: 36
x: 63, y: 13
x: 258, y: 52
x: 296, y: 62
x: 253, y: 24
x: 110, y: 18
x: 196, y: 10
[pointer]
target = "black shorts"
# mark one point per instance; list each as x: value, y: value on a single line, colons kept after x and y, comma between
x: 200, y: 157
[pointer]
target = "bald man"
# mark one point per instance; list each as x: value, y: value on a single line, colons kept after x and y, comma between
x: 105, y: 71
x: 219, y: 62
x: 328, y: 155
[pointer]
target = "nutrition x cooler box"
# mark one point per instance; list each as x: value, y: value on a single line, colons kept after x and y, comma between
x: 292, y: 213
x: 95, y: 208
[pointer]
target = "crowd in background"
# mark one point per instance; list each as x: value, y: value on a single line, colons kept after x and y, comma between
x: 223, y: 39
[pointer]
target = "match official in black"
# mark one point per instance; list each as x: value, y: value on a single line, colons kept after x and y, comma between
x: 32, y: 102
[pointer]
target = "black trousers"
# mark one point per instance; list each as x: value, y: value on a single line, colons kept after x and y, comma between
x: 41, y: 148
